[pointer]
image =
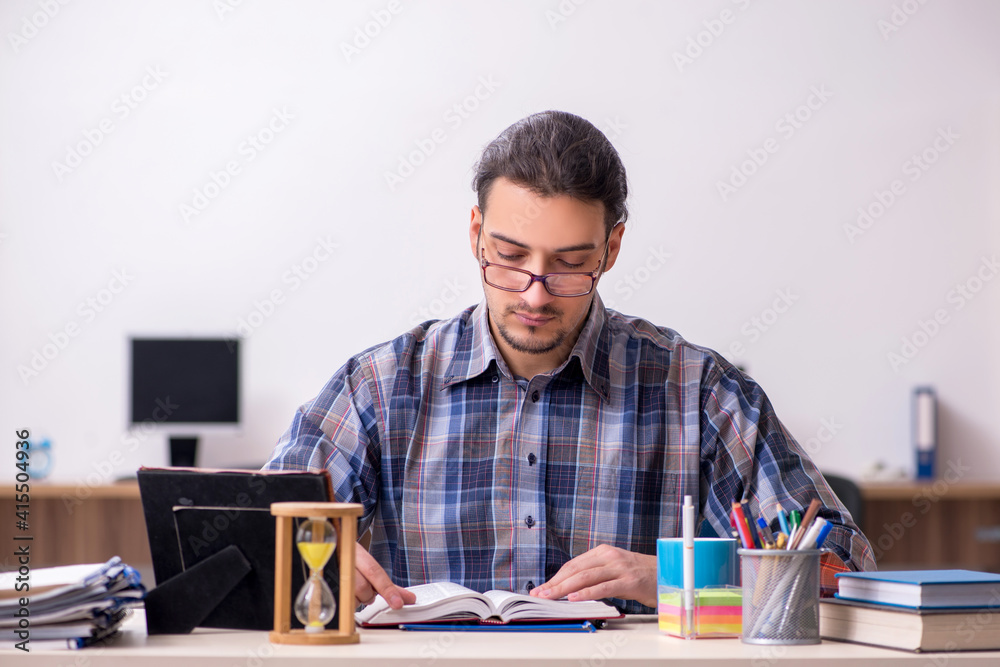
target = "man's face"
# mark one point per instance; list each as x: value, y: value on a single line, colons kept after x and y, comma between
x: 542, y: 235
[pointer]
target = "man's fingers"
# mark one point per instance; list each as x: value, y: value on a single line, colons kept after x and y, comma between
x: 372, y: 579
x: 566, y: 580
x: 577, y: 583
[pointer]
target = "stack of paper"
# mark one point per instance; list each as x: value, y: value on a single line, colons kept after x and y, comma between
x: 67, y: 607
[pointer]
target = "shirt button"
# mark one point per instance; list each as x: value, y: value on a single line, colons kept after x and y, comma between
x: 535, y: 396
x: 530, y: 585
x: 531, y: 459
x: 496, y: 379
x: 529, y: 522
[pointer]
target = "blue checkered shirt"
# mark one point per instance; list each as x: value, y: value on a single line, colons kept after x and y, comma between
x: 469, y: 474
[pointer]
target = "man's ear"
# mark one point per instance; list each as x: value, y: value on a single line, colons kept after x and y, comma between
x: 475, y: 224
x: 614, y: 245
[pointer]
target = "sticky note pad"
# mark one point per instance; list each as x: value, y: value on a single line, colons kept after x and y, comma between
x: 718, y: 611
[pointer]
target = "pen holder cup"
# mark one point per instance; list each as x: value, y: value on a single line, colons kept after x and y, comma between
x: 717, y: 612
x: 780, y: 596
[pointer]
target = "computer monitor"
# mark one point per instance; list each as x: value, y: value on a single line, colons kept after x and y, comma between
x: 184, y: 384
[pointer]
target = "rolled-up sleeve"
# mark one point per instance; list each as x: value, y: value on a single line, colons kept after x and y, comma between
x: 748, y: 454
x: 338, y: 431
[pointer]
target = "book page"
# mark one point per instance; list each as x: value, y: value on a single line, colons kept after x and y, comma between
x: 518, y: 606
x: 48, y: 578
x: 437, y: 600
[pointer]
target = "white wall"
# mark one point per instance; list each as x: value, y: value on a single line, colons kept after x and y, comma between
x: 681, y: 129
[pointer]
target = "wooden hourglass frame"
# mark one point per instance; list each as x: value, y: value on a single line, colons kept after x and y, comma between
x: 344, y: 517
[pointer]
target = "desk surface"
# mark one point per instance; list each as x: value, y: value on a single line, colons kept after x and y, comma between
x: 633, y: 641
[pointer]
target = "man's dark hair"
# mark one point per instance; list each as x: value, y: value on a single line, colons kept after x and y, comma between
x: 556, y: 153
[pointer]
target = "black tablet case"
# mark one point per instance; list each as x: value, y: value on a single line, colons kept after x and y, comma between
x: 211, y: 536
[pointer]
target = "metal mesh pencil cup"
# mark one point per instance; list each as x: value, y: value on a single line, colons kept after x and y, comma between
x: 780, y: 596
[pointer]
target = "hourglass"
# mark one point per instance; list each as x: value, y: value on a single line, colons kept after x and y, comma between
x: 314, y: 605
x: 328, y: 529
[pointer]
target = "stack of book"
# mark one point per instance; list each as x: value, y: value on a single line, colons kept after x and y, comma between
x: 918, y: 610
x: 67, y: 607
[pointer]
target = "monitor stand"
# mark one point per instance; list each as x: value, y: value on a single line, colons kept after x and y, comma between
x: 183, y: 451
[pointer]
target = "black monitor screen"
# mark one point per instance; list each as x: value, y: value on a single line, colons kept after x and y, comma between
x: 190, y: 381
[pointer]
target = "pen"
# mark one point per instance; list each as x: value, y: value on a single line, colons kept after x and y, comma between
x: 794, y: 519
x: 823, y: 533
x: 687, y: 527
x: 791, y: 537
x: 741, y: 526
x: 808, y: 540
x: 765, y: 532
x: 581, y: 626
x: 807, y: 521
x: 783, y: 522
x: 751, y: 522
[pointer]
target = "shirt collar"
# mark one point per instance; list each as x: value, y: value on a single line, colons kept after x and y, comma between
x: 476, y: 350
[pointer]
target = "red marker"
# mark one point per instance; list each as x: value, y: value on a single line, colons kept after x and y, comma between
x: 741, y: 526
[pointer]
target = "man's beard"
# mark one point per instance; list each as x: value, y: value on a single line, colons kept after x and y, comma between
x: 532, y: 346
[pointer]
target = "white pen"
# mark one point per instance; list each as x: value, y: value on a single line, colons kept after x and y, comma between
x: 809, y: 539
x: 687, y: 528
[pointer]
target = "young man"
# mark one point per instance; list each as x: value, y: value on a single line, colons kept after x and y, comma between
x: 539, y: 442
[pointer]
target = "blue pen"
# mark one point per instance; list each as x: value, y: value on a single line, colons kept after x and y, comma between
x: 783, y: 521
x: 583, y: 626
x: 752, y: 522
x: 765, y: 532
x: 823, y: 532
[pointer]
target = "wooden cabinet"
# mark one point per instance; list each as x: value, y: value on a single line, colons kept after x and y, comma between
x: 70, y: 524
x: 934, y: 525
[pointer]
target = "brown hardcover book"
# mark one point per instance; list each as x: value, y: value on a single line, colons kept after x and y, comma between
x: 908, y: 628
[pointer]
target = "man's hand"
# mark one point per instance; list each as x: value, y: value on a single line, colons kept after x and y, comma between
x: 371, y: 580
x: 604, y: 572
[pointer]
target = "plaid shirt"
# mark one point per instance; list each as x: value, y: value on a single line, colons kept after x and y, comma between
x: 471, y: 475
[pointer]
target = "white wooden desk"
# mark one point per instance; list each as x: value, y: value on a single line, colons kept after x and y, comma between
x: 634, y: 641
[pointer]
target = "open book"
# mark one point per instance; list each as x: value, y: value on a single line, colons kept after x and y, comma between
x: 446, y: 602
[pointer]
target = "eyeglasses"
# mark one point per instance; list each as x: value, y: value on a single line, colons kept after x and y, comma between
x: 509, y: 279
